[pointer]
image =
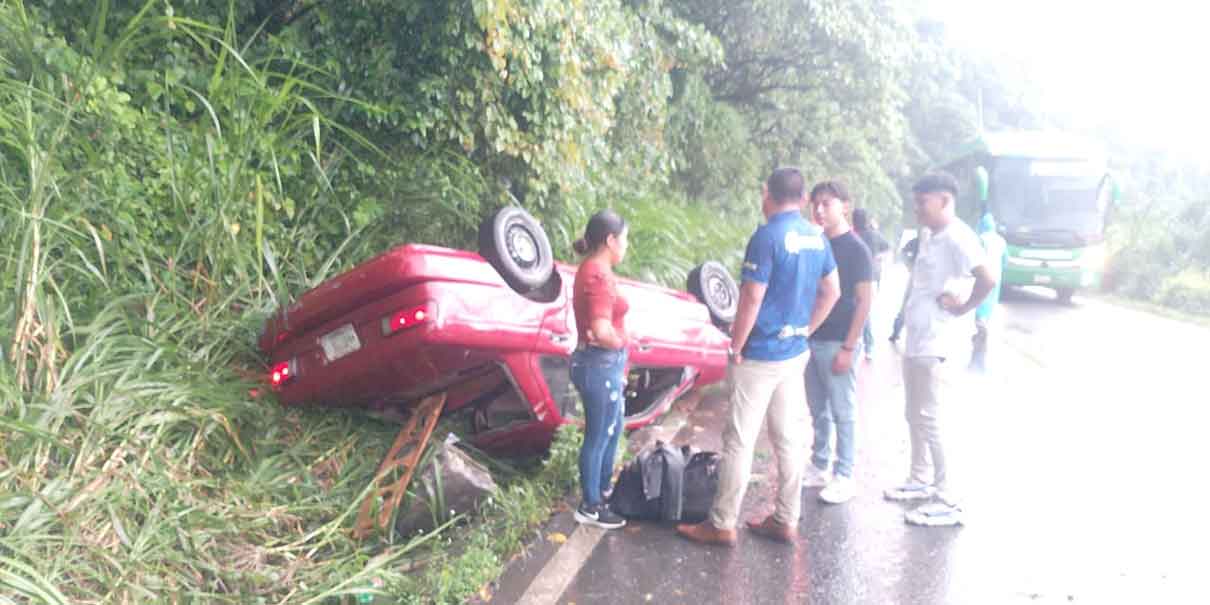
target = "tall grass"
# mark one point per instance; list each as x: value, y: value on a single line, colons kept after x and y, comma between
x: 137, y: 461
x: 151, y: 216
x: 668, y: 235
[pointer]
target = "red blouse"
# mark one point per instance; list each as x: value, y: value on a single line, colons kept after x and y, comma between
x: 595, y: 296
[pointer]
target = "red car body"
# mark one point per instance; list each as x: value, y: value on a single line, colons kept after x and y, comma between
x: 419, y: 320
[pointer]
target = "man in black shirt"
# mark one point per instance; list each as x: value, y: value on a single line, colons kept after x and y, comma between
x: 831, y: 374
x: 878, y: 246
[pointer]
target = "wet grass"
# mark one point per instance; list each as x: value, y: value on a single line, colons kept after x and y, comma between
x: 142, y: 247
x: 139, y: 458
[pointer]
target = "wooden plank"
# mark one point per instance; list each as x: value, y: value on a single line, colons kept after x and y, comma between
x: 403, y: 457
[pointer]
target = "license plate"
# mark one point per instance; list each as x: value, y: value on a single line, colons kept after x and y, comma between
x: 340, y: 342
x: 1041, y: 279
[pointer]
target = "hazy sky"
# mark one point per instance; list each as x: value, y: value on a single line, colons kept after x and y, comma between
x: 1142, y: 68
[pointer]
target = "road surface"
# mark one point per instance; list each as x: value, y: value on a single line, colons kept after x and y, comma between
x: 1079, y: 458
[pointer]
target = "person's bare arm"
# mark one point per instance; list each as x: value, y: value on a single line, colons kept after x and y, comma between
x: 751, y: 294
x: 984, y: 284
x: 863, y: 294
x: 602, y: 334
x: 825, y: 298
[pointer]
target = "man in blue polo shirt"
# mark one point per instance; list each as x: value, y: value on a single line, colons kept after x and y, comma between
x: 789, y: 286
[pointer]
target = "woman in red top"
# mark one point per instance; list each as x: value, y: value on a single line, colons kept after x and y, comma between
x: 599, y: 362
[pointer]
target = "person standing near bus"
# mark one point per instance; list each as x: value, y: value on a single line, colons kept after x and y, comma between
x: 878, y: 247
x: 950, y: 278
x: 996, y: 249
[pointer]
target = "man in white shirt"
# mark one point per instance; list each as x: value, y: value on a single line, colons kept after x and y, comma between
x: 949, y: 279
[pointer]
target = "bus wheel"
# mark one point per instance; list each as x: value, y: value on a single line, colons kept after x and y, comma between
x: 1065, y: 294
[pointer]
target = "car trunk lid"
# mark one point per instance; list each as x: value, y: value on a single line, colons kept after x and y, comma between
x: 372, y: 280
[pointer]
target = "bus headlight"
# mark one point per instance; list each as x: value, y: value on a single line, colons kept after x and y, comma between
x: 1093, y: 258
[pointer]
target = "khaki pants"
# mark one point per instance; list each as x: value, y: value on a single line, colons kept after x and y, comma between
x: 759, y: 389
x: 922, y: 385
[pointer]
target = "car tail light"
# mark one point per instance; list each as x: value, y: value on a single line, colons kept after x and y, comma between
x: 407, y: 318
x: 282, y: 373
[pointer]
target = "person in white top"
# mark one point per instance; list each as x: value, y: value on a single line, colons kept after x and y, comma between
x: 950, y: 278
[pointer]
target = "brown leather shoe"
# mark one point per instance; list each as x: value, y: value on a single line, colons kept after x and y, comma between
x: 707, y: 533
x: 773, y: 529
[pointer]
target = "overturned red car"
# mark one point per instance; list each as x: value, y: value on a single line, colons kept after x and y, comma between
x: 494, y: 331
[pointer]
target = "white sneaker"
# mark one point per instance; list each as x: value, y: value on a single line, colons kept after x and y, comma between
x: 935, y: 514
x: 911, y: 490
x: 840, y: 490
x: 814, y: 476
x: 948, y: 497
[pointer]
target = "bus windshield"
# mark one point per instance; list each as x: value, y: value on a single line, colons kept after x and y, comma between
x: 1036, y: 196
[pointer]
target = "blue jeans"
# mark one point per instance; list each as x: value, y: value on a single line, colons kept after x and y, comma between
x: 597, y: 375
x: 832, y: 399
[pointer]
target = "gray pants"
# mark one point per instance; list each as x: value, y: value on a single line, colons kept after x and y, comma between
x: 923, y: 379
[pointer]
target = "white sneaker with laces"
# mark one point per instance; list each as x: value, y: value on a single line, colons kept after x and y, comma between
x: 948, y: 497
x: 814, y: 476
x: 935, y: 514
x: 838, y: 491
x: 910, y: 490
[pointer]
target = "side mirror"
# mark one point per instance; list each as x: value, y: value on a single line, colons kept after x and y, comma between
x: 981, y: 183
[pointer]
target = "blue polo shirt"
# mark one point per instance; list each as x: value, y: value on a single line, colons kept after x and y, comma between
x: 790, y: 256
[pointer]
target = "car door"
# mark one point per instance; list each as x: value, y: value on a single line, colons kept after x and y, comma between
x: 672, y: 341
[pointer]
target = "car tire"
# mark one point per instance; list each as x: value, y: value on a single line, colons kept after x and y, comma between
x: 712, y: 284
x: 516, y: 246
x: 1065, y: 295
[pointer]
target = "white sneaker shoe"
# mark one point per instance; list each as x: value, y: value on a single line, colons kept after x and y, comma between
x: 840, y: 490
x: 948, y: 497
x: 814, y: 476
x: 935, y: 514
x: 911, y: 490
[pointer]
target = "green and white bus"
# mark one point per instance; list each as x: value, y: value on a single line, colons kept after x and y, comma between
x: 1050, y: 194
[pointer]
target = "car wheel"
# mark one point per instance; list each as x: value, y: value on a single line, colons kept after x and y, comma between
x: 1065, y: 295
x: 513, y: 242
x: 712, y: 284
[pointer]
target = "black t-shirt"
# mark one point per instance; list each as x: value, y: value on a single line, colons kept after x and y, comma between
x: 855, y: 265
x: 876, y: 244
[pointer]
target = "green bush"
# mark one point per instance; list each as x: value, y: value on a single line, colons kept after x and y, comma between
x: 165, y: 184
x: 1188, y: 291
x: 1160, y: 255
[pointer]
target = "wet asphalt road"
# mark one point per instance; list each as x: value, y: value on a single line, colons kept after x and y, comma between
x: 1079, y: 459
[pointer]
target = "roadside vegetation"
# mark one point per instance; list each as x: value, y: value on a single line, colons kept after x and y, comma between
x: 1161, y: 254
x: 173, y: 171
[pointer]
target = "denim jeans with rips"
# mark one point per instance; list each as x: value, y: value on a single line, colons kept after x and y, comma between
x: 599, y: 375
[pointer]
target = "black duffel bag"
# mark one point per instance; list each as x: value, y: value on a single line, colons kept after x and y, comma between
x: 665, y: 483
x: 699, y: 486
